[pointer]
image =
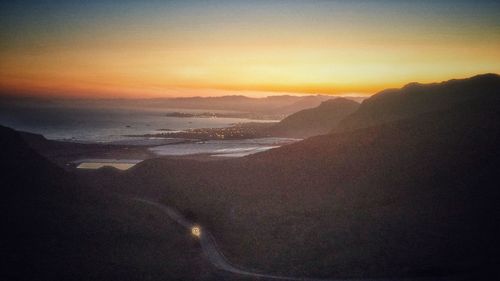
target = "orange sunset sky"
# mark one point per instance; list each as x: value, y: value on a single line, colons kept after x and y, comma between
x: 256, y: 48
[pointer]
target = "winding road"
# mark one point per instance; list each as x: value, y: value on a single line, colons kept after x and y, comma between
x: 217, y: 259
x: 209, y: 246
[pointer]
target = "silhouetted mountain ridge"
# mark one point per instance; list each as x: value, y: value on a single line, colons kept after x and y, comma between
x: 315, y: 121
x: 412, y: 196
x: 417, y: 98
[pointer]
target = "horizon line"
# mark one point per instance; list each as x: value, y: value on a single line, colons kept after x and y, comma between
x: 6, y: 92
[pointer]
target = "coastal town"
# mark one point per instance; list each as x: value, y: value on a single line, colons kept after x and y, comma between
x: 235, y: 132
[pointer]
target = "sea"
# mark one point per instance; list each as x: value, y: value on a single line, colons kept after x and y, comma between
x: 125, y: 125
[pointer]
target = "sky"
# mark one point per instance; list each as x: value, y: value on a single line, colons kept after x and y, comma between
x: 257, y: 48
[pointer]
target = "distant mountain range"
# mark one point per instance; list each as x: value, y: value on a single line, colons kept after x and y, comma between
x: 282, y: 105
x: 272, y: 107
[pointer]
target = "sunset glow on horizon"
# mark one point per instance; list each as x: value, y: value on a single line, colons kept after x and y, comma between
x: 189, y: 48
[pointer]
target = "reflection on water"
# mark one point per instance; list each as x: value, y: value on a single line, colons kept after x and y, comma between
x: 92, y: 164
x: 224, y: 148
x: 115, y: 126
x: 240, y: 152
x: 90, y: 124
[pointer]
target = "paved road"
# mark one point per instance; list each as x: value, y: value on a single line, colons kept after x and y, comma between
x: 210, y: 250
x: 209, y: 246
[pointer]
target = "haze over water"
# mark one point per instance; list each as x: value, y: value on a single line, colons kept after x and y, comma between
x: 90, y: 124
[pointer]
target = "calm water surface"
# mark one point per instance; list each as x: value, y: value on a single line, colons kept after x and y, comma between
x: 87, y: 124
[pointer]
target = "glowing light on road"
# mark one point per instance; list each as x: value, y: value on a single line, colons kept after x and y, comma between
x: 196, y: 231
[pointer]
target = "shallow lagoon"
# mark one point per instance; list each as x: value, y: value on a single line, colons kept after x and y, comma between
x: 92, y: 164
x: 222, y: 148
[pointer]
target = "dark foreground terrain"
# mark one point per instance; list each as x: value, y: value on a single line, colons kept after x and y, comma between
x: 57, y: 228
x: 414, y: 196
x: 411, y: 193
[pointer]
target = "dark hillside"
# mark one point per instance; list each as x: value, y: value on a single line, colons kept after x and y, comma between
x: 56, y: 228
x: 415, y: 98
x: 315, y: 121
x: 413, y: 197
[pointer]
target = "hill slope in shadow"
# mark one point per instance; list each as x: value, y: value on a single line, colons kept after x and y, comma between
x: 56, y: 228
x: 315, y: 121
x: 415, y: 98
x: 410, y: 197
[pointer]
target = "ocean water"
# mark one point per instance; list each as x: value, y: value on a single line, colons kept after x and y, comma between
x: 87, y: 124
x: 102, y: 125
